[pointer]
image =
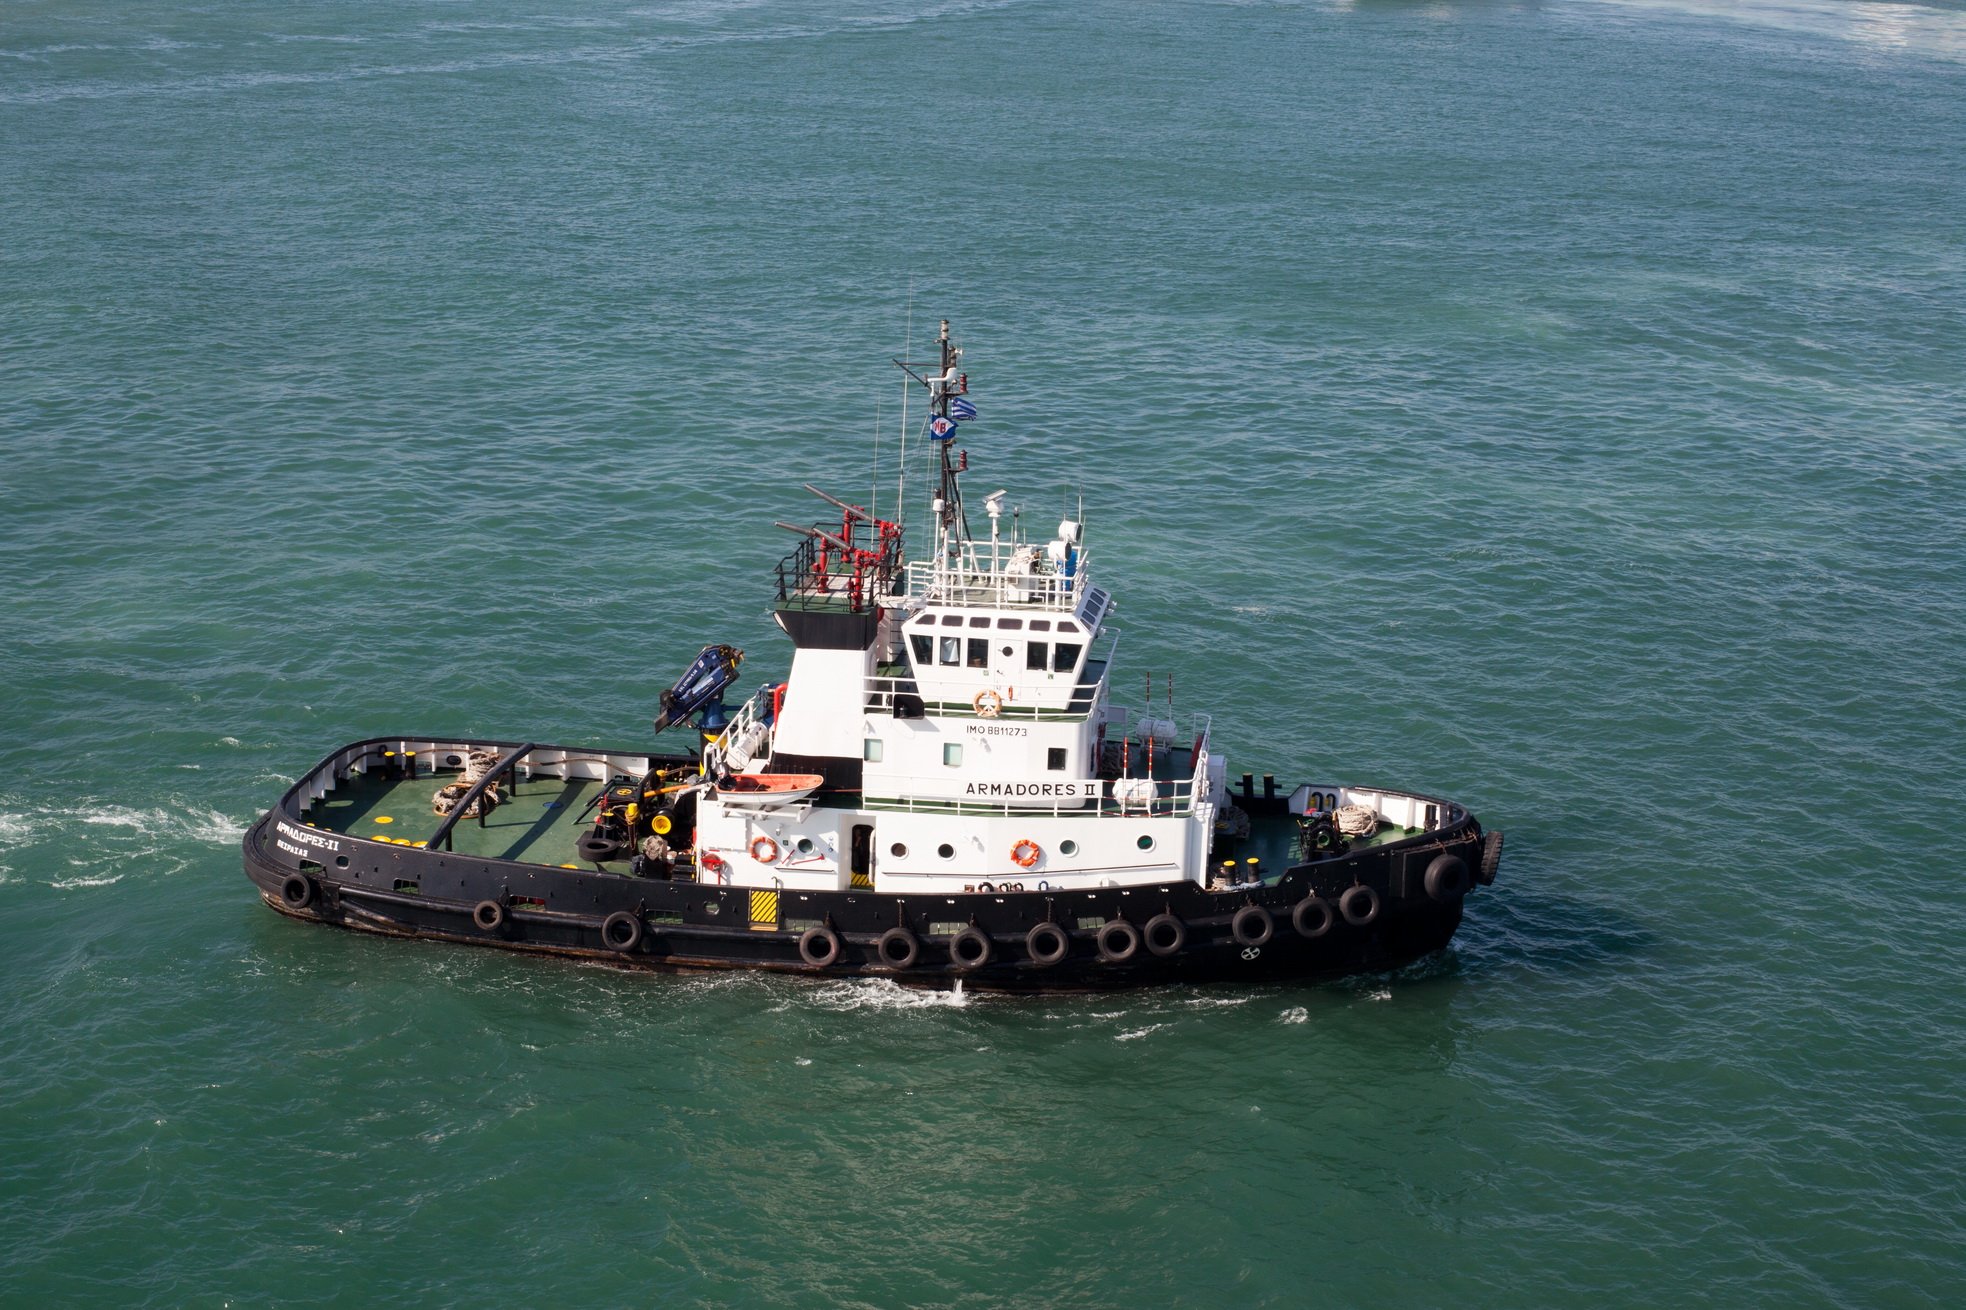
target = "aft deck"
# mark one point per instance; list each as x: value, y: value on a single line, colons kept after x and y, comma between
x: 537, y: 821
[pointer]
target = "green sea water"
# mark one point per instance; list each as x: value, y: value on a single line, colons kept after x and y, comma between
x: 1556, y: 406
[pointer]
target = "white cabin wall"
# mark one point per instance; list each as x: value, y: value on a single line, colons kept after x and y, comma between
x: 825, y: 703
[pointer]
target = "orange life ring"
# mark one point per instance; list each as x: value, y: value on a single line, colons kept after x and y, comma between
x: 988, y: 704
x: 764, y: 850
x: 1025, y: 853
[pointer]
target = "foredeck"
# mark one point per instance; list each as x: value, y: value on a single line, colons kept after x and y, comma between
x: 538, y: 821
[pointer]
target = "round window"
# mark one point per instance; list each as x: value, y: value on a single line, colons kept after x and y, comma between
x: 804, y: 846
x: 897, y: 850
x: 1146, y: 842
x: 1068, y: 847
x: 946, y: 851
x: 341, y: 861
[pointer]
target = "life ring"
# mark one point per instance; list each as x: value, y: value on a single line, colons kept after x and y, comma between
x: 988, y: 704
x: 488, y: 915
x: 1252, y: 926
x: 1165, y: 934
x: 898, y: 948
x: 764, y: 850
x: 1359, y: 905
x: 971, y: 948
x: 819, y: 946
x: 1026, y: 853
x: 1446, y: 879
x: 1313, y: 917
x: 621, y: 931
x: 297, y: 892
x: 1119, y: 941
x: 1048, y: 943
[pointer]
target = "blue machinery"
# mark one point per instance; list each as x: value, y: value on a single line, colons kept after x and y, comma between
x: 699, y: 693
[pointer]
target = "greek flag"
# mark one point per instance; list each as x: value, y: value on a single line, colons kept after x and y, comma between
x: 941, y: 429
x: 960, y: 409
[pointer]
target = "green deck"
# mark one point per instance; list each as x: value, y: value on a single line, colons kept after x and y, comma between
x: 539, y: 820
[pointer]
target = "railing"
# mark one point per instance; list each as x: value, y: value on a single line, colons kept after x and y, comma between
x: 1117, y: 798
x: 998, y: 573
x: 819, y: 570
x: 743, y: 739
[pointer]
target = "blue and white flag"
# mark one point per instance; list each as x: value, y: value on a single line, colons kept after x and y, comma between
x: 960, y: 409
x: 941, y: 429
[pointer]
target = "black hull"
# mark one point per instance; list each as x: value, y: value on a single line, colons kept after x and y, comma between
x: 685, y: 926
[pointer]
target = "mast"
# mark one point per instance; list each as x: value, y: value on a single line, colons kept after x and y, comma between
x: 947, y: 383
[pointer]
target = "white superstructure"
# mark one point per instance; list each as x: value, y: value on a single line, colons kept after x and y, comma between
x: 959, y: 710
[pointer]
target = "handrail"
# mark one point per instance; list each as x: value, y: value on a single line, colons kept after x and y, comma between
x: 476, y: 790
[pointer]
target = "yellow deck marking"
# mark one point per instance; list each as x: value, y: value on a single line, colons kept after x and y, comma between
x: 764, y: 909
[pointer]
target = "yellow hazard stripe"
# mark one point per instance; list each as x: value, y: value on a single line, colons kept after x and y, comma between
x: 764, y: 907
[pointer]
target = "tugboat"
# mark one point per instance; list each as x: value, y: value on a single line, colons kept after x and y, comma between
x: 941, y: 791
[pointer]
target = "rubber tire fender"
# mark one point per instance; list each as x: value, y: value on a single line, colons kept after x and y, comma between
x: 1252, y: 926
x: 1360, y: 906
x: 489, y: 916
x: 1491, y: 858
x: 819, y: 947
x: 1125, y: 948
x: 297, y: 891
x: 1160, y: 925
x: 1446, y: 879
x: 1060, y: 943
x: 911, y: 948
x: 1313, y: 907
x: 621, y: 931
x: 972, y: 935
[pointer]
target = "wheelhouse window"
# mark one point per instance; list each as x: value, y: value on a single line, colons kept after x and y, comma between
x: 979, y: 652
x: 1065, y: 656
x: 924, y: 647
x: 1037, y: 655
x: 952, y: 650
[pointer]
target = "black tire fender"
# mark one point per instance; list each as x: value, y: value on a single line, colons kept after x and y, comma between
x: 1165, y: 934
x: 488, y: 915
x: 819, y: 946
x: 1446, y: 879
x: 1048, y: 943
x: 297, y: 892
x: 1252, y: 926
x: 1360, y: 906
x: 621, y: 931
x: 1119, y: 941
x: 1313, y: 917
x: 971, y: 948
x: 898, y: 948
x: 1491, y: 858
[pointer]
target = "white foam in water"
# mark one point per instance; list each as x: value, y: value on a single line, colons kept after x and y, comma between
x: 883, y: 994
x: 1139, y: 1032
x: 70, y: 884
x: 1295, y: 1014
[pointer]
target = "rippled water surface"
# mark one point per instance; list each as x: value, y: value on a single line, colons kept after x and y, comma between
x: 1557, y: 406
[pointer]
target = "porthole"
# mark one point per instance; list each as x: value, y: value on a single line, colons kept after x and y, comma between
x: 1068, y: 847
x: 1146, y: 842
x: 453, y: 760
x: 803, y: 846
x: 341, y: 861
x: 899, y: 850
x: 946, y: 851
